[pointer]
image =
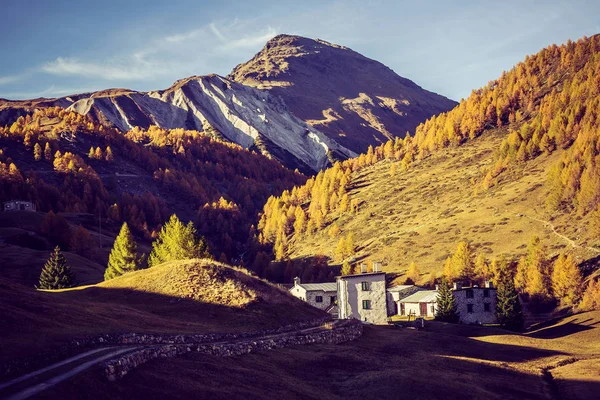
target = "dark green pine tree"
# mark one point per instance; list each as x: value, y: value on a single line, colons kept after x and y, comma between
x: 508, y: 306
x: 123, y: 256
x: 56, y: 274
x: 446, y: 303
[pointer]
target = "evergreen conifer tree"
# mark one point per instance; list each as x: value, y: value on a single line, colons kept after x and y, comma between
x: 123, y: 256
x: 446, y: 303
x: 508, y: 307
x: 177, y: 241
x: 56, y: 273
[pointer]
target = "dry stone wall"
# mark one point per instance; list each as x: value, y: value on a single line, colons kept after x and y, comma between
x: 116, y: 369
x: 27, y: 364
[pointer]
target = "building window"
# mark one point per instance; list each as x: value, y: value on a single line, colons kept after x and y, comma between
x: 469, y: 293
x: 432, y: 309
x: 364, y: 286
x: 470, y: 308
x: 486, y: 307
x: 486, y: 292
x: 331, y: 299
x: 319, y: 299
x: 366, y: 304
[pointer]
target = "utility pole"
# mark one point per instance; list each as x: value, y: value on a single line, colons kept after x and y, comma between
x: 100, y: 226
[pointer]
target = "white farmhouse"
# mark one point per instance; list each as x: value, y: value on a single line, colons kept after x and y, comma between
x: 363, y: 297
x: 395, y: 293
x: 420, y: 304
x: 319, y: 295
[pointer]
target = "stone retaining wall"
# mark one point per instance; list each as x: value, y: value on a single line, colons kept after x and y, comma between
x: 27, y: 364
x: 117, y: 368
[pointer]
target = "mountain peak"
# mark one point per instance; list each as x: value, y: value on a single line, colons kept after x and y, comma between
x: 353, y: 99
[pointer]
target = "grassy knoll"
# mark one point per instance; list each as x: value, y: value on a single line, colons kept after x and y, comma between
x: 193, y: 296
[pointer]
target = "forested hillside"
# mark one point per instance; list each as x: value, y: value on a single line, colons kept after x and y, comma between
x: 64, y: 162
x: 518, y: 158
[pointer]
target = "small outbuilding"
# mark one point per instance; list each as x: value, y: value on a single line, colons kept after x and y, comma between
x: 420, y: 304
x: 395, y: 293
x: 319, y: 295
x: 18, y: 205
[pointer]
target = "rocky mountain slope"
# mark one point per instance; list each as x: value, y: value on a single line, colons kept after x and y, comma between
x: 249, y: 117
x: 354, y: 100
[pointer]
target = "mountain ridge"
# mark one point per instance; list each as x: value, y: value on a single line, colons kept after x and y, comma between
x: 353, y: 99
x: 252, y: 117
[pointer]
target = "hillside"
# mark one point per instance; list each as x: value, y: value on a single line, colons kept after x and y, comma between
x: 518, y: 158
x: 64, y: 162
x: 192, y: 296
x: 442, y: 361
x: 356, y: 101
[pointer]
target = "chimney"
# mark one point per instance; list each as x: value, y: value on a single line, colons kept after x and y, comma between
x: 488, y: 284
x: 363, y: 268
x: 376, y: 267
x: 296, y: 281
x: 457, y: 286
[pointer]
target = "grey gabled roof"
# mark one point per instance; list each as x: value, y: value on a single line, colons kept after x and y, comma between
x: 423, y: 296
x: 326, y: 287
x: 399, y: 288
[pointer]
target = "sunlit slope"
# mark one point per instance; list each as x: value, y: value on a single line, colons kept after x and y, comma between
x: 421, y: 214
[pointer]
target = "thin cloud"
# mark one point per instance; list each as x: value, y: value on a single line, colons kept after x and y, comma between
x: 136, y: 68
x: 50, y: 91
x: 183, y: 37
x: 252, y: 40
x: 5, y: 80
x: 217, y: 33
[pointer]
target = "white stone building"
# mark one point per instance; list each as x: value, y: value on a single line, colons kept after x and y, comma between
x: 476, y: 305
x: 319, y: 295
x: 363, y: 297
x: 18, y: 205
x: 420, y: 304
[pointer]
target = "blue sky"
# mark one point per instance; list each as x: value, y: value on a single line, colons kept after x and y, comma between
x: 56, y: 48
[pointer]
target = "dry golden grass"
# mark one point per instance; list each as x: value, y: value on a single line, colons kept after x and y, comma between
x: 193, y: 296
x: 207, y: 281
x: 421, y: 214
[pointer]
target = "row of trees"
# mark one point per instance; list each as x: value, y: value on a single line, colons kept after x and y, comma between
x: 176, y: 241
